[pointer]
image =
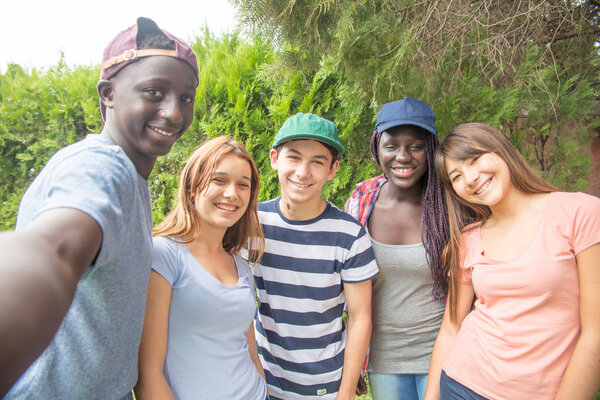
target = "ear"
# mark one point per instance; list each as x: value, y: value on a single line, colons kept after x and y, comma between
x: 333, y: 170
x: 274, y: 157
x: 105, y: 92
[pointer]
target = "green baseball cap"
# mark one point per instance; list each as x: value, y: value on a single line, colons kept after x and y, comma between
x: 309, y: 126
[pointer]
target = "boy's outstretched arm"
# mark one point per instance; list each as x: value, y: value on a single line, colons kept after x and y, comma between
x: 358, y: 300
x: 40, y: 268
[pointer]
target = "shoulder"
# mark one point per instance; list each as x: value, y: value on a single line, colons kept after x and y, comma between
x: 162, y: 244
x: 371, y: 185
x: 92, y: 162
x: 93, y: 176
x: 334, y: 213
x: 165, y: 258
x: 577, y: 217
x: 569, y: 207
x: 573, y: 200
x: 268, y: 206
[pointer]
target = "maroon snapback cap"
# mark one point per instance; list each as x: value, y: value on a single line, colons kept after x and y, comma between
x: 124, y: 50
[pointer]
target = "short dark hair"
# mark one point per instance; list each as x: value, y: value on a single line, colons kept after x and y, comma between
x: 334, y: 154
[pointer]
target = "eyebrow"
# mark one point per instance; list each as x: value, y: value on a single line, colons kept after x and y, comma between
x: 226, y: 174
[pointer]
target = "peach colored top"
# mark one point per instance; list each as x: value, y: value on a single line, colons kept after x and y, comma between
x: 519, y: 338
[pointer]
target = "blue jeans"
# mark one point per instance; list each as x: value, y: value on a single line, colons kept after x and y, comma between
x: 398, y: 386
x: 453, y: 390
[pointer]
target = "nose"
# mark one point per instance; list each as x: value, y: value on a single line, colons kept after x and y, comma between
x: 403, y: 154
x: 303, y: 169
x: 230, y: 191
x: 171, y: 110
x: 471, y: 176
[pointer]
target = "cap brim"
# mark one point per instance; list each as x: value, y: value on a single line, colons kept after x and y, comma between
x: 387, y: 125
x: 337, y: 146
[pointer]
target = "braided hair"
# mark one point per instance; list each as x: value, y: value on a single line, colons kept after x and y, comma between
x: 434, y: 219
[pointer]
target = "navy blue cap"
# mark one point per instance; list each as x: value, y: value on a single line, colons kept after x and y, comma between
x: 408, y: 111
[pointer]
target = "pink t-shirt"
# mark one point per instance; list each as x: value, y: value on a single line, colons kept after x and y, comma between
x: 518, y: 340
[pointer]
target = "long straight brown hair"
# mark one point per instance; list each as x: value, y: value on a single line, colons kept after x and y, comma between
x: 184, y: 223
x: 467, y: 141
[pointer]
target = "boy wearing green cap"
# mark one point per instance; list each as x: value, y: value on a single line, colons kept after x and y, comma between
x: 316, y: 259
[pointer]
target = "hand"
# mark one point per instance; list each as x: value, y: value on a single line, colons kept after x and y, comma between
x: 361, y: 386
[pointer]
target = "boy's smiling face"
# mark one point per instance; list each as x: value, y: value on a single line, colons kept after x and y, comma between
x: 150, y: 104
x: 303, y: 166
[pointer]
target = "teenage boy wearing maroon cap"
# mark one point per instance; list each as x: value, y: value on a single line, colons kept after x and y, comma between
x: 80, y: 257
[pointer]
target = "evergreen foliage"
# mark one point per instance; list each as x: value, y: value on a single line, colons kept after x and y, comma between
x: 338, y: 59
x: 527, y: 67
x: 40, y: 112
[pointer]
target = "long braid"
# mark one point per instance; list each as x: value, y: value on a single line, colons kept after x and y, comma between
x: 434, y: 221
x: 374, y: 146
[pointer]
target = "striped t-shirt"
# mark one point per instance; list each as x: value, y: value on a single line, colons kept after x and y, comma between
x: 299, y: 328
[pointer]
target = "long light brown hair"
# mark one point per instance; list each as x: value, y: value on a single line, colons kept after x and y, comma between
x: 467, y: 141
x: 184, y: 223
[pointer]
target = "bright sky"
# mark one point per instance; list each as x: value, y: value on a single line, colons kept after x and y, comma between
x: 34, y: 32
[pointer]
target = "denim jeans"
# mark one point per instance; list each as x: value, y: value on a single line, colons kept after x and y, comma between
x: 452, y: 390
x: 398, y: 386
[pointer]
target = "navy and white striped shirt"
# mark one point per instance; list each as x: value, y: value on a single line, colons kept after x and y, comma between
x: 299, y: 327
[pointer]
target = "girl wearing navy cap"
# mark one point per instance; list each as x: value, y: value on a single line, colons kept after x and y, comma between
x: 403, y: 211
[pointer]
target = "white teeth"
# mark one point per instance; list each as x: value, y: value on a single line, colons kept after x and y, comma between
x: 403, y: 170
x: 226, y: 207
x: 482, y: 189
x: 300, y: 185
x: 161, y: 132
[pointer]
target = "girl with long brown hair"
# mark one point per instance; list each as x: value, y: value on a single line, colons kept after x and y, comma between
x: 521, y: 320
x: 198, y: 337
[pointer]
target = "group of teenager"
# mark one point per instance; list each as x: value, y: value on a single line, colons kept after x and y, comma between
x: 463, y: 274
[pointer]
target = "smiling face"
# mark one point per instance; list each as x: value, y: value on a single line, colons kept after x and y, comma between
x: 484, y: 179
x: 303, y: 167
x: 402, y: 155
x: 225, y: 199
x: 150, y: 104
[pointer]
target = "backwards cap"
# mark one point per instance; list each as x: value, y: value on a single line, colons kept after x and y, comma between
x: 125, y: 49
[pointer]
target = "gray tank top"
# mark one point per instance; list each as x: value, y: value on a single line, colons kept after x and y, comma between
x: 406, y: 319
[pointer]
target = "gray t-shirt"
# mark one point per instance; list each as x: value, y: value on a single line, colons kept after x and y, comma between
x: 406, y: 320
x: 207, y: 350
x: 94, y: 353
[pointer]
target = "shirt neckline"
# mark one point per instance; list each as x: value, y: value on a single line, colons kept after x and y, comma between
x: 532, y: 240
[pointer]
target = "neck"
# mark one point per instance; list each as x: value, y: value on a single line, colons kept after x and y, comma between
x: 210, y: 240
x: 301, y: 212
x: 142, y: 164
x: 412, y: 194
x: 511, y: 206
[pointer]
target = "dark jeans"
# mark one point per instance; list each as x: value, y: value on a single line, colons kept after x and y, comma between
x: 452, y: 390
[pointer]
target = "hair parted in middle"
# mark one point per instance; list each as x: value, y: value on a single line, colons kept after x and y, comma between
x: 434, y: 224
x: 467, y: 141
x: 184, y: 223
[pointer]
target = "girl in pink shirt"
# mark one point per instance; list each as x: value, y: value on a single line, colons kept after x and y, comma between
x: 521, y: 320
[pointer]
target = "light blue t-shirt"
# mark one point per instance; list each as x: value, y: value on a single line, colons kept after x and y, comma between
x: 94, y: 353
x: 207, y: 351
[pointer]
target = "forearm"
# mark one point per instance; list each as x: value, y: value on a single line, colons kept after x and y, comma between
x: 357, y: 342
x: 440, y: 350
x: 582, y: 377
x: 36, y: 291
x: 153, y: 387
x: 253, y: 351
